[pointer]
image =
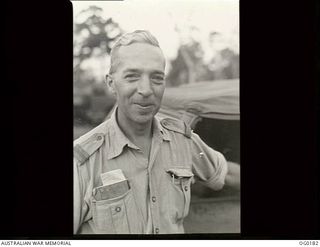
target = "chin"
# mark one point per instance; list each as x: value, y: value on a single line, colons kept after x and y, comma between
x: 143, y: 119
x: 140, y: 118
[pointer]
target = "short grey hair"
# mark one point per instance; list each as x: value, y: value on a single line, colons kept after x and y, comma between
x: 138, y: 36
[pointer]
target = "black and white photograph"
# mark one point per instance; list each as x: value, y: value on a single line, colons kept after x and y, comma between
x: 156, y: 117
x: 126, y: 120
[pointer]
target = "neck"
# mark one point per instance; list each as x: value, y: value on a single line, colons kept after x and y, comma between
x: 134, y: 130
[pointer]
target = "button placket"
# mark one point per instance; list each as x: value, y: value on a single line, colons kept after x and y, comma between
x: 154, y: 209
x: 156, y: 142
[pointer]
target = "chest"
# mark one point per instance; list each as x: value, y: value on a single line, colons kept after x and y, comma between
x: 136, y: 165
x: 164, y: 180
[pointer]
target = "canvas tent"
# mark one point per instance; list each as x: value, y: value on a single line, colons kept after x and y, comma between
x: 208, y: 99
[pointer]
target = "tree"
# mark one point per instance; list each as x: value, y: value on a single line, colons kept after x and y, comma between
x: 94, y: 37
x: 94, y: 31
x: 188, y: 67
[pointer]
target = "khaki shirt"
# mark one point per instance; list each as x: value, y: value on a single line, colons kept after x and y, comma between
x: 158, y: 198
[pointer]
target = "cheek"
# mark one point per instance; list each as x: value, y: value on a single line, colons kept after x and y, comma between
x: 159, y: 91
x: 124, y: 91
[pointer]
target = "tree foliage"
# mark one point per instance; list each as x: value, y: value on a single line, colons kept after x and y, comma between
x: 94, y: 37
x: 95, y: 31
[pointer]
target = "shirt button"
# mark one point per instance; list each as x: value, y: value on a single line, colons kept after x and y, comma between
x: 118, y: 209
x: 99, y: 138
x: 157, y: 230
x: 154, y: 199
x: 186, y: 188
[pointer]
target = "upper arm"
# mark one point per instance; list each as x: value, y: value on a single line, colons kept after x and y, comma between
x: 209, y: 165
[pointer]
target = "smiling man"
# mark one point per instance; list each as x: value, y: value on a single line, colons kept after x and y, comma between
x: 132, y: 173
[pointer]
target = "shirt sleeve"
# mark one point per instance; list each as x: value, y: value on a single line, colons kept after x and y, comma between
x: 78, y: 198
x: 209, y: 166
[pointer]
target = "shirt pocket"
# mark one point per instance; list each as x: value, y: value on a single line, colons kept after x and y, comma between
x: 117, y: 215
x: 180, y: 190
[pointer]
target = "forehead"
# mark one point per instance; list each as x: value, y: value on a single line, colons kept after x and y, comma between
x: 140, y: 56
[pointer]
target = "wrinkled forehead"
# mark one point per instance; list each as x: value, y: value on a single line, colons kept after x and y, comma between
x: 140, y: 54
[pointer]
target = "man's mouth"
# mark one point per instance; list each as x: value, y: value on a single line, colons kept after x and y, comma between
x: 143, y: 104
x: 144, y: 107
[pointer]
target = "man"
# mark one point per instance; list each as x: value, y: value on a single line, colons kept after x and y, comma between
x: 132, y: 173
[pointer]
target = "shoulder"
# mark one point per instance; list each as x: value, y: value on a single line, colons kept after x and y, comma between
x: 177, y: 126
x: 89, y: 143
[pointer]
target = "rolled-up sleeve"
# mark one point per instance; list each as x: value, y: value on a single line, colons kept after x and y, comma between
x: 209, y: 166
x: 77, y: 198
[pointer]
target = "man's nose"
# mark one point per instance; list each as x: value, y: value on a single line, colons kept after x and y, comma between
x: 144, y: 86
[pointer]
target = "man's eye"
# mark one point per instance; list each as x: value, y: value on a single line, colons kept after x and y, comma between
x: 132, y: 77
x: 157, y: 79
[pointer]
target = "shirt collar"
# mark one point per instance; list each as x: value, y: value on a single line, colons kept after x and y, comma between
x: 118, y: 140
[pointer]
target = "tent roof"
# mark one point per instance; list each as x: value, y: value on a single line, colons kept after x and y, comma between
x: 209, y: 99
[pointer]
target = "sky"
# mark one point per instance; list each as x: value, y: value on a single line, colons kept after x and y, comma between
x: 161, y: 17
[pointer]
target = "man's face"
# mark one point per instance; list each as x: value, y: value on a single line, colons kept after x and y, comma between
x: 138, y: 82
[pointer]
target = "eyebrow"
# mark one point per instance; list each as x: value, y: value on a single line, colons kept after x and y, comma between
x: 131, y: 70
x: 138, y: 71
x: 158, y: 72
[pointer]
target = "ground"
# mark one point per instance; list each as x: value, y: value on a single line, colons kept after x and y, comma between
x: 213, y: 215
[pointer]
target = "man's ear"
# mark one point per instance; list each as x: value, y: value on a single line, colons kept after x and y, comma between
x: 110, y: 84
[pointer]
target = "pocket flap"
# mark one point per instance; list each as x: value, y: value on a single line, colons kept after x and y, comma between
x: 180, y: 172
